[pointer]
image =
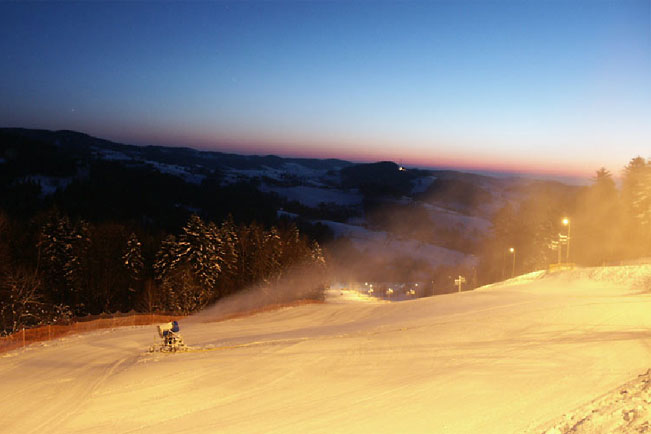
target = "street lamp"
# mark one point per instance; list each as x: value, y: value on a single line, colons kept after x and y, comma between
x: 512, y: 251
x: 566, y: 222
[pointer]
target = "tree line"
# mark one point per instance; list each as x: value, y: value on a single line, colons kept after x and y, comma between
x: 608, y: 224
x: 54, y: 267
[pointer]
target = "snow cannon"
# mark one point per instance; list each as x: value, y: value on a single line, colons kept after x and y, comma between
x: 171, y: 336
x: 165, y: 329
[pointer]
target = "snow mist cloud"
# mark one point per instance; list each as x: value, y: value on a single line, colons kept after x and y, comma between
x: 302, y: 284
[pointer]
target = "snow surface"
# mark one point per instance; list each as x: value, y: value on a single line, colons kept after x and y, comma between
x: 313, y: 196
x: 300, y: 170
x: 176, y: 170
x: 625, y: 410
x: 109, y: 154
x: 49, y: 184
x: 506, y: 358
x: 421, y: 184
x: 293, y: 170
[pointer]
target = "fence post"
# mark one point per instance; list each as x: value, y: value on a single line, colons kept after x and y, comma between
x: 23, y: 337
x: 49, y: 332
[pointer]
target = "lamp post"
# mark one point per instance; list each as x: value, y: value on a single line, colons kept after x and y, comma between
x: 566, y: 222
x: 512, y: 250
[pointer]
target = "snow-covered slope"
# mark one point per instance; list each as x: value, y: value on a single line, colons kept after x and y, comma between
x: 506, y: 358
x: 314, y: 196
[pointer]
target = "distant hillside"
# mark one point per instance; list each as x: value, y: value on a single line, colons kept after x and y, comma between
x: 417, y: 219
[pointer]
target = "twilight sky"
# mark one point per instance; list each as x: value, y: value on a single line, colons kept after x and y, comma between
x: 555, y: 87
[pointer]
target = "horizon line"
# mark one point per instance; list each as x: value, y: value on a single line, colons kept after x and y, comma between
x: 226, y: 148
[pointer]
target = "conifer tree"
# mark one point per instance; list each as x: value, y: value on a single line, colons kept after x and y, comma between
x: 133, y: 262
x: 199, y: 246
x: 188, y: 267
x: 642, y: 199
x: 228, y: 247
x: 270, y: 254
x: 598, y: 221
x: 636, y: 196
x: 229, y: 242
x: 166, y: 258
x: 63, y: 252
x: 316, y: 255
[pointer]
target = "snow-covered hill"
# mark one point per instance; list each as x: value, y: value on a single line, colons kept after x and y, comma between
x: 506, y: 358
x: 408, y: 213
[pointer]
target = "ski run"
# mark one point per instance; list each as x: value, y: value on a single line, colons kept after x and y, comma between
x: 543, y: 353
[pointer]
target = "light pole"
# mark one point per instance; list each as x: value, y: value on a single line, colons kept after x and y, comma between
x: 512, y: 250
x: 566, y: 222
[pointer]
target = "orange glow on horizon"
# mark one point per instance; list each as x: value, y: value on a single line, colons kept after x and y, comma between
x: 434, y: 156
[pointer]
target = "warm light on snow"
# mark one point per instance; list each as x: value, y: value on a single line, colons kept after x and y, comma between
x: 512, y: 357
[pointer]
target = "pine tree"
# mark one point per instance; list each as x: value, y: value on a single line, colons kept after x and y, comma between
x: 269, y: 256
x: 316, y: 255
x: 249, y: 250
x: 63, y: 252
x: 642, y: 199
x: 199, y: 246
x: 133, y: 262
x: 603, y: 183
x: 188, y: 267
x: 228, y: 247
x: 167, y: 258
x: 599, y: 221
x: 636, y: 196
x: 182, y: 292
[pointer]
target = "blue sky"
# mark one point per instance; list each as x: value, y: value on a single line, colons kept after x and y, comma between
x: 560, y: 87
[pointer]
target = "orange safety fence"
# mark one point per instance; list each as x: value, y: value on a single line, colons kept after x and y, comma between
x: 29, y: 336
x: 26, y: 337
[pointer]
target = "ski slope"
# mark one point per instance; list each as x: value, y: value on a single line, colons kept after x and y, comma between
x: 513, y: 357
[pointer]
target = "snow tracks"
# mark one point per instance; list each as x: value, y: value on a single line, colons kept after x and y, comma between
x: 624, y: 410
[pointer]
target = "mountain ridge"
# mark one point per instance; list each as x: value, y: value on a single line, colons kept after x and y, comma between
x: 420, y: 219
